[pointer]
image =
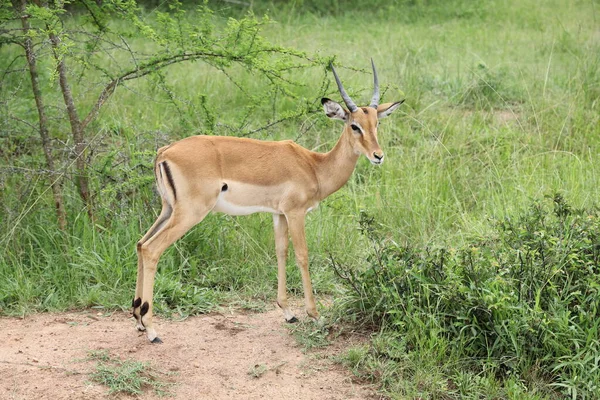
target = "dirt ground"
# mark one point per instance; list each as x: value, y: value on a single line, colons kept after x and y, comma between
x: 215, y: 356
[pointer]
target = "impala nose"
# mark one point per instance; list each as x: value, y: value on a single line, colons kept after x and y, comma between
x: 377, y: 157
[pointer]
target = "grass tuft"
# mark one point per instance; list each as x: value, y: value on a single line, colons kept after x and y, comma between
x: 310, y: 334
x: 128, y: 377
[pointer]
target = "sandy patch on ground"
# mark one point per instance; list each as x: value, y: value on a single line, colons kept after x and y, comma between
x: 214, y: 356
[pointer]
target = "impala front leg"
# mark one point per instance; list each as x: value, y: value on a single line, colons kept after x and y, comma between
x: 296, y: 226
x: 281, y: 249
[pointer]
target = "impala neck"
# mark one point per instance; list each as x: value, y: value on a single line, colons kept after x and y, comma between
x: 335, y: 167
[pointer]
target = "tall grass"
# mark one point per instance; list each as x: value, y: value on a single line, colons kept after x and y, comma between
x: 494, y: 117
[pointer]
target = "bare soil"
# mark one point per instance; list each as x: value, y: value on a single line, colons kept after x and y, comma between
x: 214, y: 356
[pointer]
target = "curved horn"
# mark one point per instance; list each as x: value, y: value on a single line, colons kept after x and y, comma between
x: 375, y: 99
x: 349, y: 103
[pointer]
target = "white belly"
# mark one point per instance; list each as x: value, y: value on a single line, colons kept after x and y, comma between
x: 234, y: 209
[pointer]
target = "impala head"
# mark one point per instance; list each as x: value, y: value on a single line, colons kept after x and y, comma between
x: 361, y: 122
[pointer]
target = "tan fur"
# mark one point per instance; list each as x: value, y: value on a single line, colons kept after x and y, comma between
x: 278, y: 177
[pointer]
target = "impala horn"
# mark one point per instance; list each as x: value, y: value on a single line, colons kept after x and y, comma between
x: 375, y: 99
x: 349, y: 103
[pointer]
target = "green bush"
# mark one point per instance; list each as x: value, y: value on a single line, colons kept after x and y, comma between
x: 522, y: 303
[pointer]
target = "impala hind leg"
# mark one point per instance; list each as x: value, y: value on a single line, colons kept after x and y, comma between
x: 296, y: 226
x: 137, y: 298
x: 177, y: 224
x: 281, y: 249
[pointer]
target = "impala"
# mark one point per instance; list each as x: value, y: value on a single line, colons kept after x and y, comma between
x: 241, y: 176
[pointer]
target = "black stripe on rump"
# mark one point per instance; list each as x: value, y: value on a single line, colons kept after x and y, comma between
x: 170, y: 178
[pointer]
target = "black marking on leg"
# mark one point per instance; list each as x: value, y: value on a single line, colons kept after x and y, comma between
x: 224, y: 187
x: 144, y: 308
x: 136, y: 302
x: 156, y: 340
x: 170, y: 178
x: 293, y: 320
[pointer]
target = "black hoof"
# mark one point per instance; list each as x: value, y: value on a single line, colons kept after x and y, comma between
x: 293, y: 320
x: 156, y: 340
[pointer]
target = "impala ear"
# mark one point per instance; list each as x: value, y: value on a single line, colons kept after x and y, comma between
x: 333, y: 110
x: 386, y: 109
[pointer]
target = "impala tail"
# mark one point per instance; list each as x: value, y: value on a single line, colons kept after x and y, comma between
x: 164, y: 178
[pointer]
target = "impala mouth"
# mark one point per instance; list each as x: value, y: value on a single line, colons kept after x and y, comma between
x: 376, y: 158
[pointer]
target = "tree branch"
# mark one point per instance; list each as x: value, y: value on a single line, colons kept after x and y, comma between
x: 43, y: 121
x: 143, y: 70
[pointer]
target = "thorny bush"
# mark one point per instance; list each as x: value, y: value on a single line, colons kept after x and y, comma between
x: 523, y: 302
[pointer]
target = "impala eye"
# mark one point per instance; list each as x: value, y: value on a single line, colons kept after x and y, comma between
x: 355, y: 128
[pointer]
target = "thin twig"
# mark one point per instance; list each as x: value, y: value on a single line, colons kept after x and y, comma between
x: 345, y: 277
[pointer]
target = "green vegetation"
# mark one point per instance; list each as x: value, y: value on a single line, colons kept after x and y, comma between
x: 475, y: 293
x: 310, y: 335
x: 257, y: 370
x: 128, y: 377
x: 520, y: 305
